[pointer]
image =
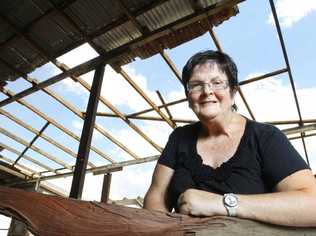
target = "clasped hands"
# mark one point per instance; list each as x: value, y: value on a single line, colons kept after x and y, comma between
x: 201, y: 203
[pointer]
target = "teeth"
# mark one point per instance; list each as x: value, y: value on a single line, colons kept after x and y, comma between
x: 208, y: 102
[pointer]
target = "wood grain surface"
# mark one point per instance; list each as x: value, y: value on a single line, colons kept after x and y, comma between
x: 56, y: 216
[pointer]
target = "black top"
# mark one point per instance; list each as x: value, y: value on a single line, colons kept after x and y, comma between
x: 263, y: 158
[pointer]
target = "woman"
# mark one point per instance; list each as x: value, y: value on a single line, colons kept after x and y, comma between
x: 226, y: 164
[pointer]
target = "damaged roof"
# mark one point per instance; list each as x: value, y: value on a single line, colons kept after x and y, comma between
x: 35, y: 32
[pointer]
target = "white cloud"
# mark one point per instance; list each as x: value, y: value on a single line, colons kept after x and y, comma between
x: 118, y: 91
x: 290, y: 12
x: 306, y: 97
x: 92, y: 187
x: 132, y: 182
x: 157, y: 131
x: 311, y: 149
x: 69, y: 86
x: 270, y: 99
x: 115, y: 89
x: 63, y: 184
x: 73, y: 58
x: 77, y: 126
x: 91, y: 190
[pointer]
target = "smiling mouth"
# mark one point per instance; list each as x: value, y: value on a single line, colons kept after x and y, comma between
x: 208, y: 102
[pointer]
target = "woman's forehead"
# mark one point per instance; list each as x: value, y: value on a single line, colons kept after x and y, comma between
x: 209, y: 67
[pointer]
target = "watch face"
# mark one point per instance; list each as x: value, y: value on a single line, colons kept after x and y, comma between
x: 230, y: 200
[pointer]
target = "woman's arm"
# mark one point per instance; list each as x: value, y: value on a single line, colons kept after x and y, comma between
x: 293, y: 203
x: 156, y: 197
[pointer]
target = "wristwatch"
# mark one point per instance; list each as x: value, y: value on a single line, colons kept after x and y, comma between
x: 230, y: 201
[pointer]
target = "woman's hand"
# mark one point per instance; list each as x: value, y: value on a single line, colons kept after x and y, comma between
x: 201, y: 203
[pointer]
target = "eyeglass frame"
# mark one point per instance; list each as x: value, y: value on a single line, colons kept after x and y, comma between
x: 211, y: 85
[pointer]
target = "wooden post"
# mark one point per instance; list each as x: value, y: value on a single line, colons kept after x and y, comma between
x: 106, y: 187
x: 86, y: 135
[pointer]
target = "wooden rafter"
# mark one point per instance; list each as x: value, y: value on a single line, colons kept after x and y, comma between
x: 108, y: 104
x: 147, y: 99
x: 110, y: 57
x: 34, y: 148
x: 53, y: 122
x: 36, y: 132
x: 26, y: 157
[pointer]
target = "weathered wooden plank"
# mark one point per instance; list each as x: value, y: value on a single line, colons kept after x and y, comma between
x: 55, y: 216
x: 100, y: 169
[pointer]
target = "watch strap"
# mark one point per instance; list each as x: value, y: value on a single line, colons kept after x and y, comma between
x: 231, y: 211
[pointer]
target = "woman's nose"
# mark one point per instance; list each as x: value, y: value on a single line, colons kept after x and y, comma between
x: 207, y: 89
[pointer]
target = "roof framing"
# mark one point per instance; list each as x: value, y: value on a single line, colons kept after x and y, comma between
x: 147, y: 43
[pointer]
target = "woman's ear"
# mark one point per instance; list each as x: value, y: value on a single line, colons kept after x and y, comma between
x: 189, y: 103
x: 187, y: 96
x: 233, y: 91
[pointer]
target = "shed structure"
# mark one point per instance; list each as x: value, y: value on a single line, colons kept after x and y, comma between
x: 37, y: 32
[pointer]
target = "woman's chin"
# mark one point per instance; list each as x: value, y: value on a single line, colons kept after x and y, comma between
x: 208, y: 116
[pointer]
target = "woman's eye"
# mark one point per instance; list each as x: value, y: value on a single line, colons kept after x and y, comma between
x: 195, y: 86
x: 199, y: 86
x: 217, y: 82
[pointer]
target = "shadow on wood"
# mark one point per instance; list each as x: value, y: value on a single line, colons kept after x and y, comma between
x: 52, y: 216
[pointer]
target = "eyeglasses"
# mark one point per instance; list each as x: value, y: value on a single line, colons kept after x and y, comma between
x: 199, y: 87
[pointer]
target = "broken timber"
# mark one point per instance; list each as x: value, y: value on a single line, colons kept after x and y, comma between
x: 55, y: 216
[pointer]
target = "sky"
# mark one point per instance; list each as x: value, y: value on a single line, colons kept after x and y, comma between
x: 250, y: 38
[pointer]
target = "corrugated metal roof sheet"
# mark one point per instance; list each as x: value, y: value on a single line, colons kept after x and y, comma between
x: 5, y: 32
x: 105, y: 22
x: 19, y: 53
x: 22, y: 13
x: 164, y: 14
x: 94, y: 14
x: 118, y: 36
x: 54, y: 33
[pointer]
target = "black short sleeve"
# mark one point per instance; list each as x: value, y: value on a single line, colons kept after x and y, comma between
x: 168, y: 156
x: 279, y: 158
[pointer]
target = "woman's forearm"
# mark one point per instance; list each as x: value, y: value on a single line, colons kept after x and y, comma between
x: 153, y: 201
x: 292, y: 208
